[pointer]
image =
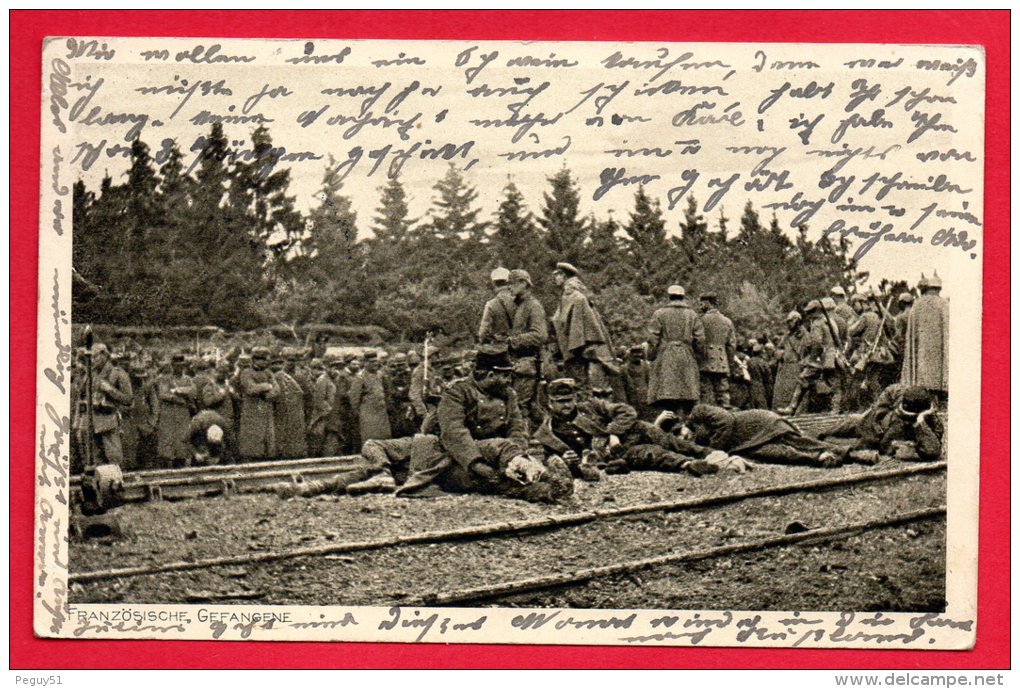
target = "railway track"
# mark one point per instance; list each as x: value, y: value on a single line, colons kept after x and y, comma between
x: 193, y: 482
x: 496, y: 591
x: 514, y: 528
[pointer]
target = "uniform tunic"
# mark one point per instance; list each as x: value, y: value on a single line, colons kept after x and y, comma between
x: 676, y: 334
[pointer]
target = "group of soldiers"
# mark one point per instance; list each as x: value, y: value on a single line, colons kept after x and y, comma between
x: 540, y: 401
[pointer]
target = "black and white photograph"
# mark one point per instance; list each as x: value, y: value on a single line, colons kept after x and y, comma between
x: 465, y: 342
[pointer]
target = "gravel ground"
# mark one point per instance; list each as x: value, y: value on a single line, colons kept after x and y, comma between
x: 161, y: 532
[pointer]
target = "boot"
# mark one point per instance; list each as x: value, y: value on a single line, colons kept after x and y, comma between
x: 380, y: 483
x: 794, y: 403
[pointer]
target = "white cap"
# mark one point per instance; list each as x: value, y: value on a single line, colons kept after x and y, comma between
x: 214, y: 434
x: 500, y: 274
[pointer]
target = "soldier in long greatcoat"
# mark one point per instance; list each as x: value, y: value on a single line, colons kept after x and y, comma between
x: 676, y: 337
x: 926, y: 344
x: 289, y: 415
x: 791, y: 349
x: 584, y: 342
x: 323, y: 418
x: 368, y: 394
x: 720, y: 349
x: 140, y: 419
x: 258, y: 388
x: 176, y: 393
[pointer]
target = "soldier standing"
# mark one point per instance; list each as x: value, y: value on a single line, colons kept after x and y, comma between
x: 636, y: 375
x: 141, y: 419
x: 258, y: 388
x: 818, y: 364
x: 676, y: 336
x: 111, y: 392
x: 176, y: 393
x: 528, y: 334
x: 288, y: 415
x: 840, y: 309
x: 323, y: 420
x: 584, y: 342
x: 926, y: 343
x: 720, y: 349
x: 791, y: 349
x: 368, y: 396
x: 498, y: 312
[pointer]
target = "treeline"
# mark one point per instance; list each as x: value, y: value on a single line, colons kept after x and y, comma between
x: 224, y: 245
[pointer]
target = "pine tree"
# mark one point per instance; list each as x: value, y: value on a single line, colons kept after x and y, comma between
x: 565, y: 231
x: 261, y: 190
x: 647, y: 248
x: 516, y: 239
x: 392, y: 225
x: 454, y: 216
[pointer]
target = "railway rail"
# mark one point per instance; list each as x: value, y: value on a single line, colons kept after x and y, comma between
x: 499, y: 590
x: 192, y: 482
x: 503, y: 529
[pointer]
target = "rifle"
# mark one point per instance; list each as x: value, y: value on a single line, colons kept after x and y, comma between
x: 90, y: 410
x: 878, y: 336
x: 841, y: 363
x: 425, y: 362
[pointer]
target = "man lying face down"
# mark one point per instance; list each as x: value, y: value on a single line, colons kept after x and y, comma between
x: 760, y: 435
x: 597, y: 432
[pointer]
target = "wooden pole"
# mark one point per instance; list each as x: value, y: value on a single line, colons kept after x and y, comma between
x: 583, y: 575
x: 504, y: 528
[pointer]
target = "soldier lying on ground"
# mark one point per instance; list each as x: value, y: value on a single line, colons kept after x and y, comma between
x: 760, y: 435
x: 902, y: 423
x: 598, y: 432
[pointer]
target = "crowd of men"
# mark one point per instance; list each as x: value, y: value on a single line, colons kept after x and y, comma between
x: 541, y: 401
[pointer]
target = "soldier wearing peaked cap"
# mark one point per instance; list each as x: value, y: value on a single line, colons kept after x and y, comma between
x: 369, y: 394
x: 720, y: 348
x: 176, y: 393
x: 676, y: 339
x: 258, y: 390
x: 111, y: 394
x: 498, y: 312
x: 528, y: 335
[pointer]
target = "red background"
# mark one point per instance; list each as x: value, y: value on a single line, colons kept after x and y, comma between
x: 987, y: 28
